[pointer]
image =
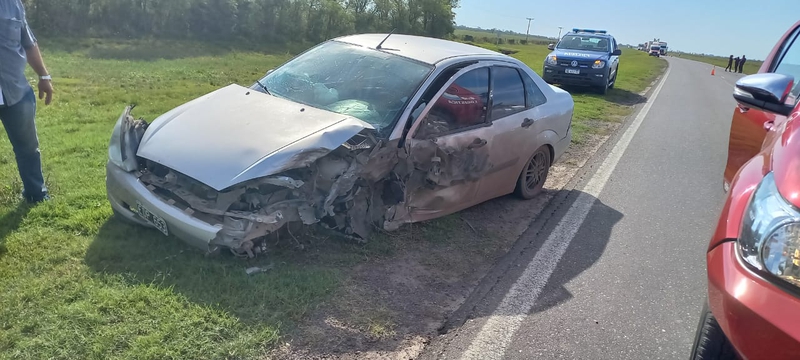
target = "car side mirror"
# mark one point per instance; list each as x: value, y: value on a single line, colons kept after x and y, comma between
x: 767, y: 92
x: 269, y: 71
x: 617, y: 52
x: 551, y: 47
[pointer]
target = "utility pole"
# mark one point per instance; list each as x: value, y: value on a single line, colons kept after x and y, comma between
x: 529, y: 29
x: 559, y: 33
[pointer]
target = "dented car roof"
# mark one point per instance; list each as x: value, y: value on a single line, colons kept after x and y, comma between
x: 424, y: 49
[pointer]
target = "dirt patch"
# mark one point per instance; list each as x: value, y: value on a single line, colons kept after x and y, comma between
x: 390, y: 307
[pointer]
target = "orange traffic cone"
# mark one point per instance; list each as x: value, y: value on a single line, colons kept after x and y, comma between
x: 712, y: 70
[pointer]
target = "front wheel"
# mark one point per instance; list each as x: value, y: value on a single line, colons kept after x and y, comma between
x: 603, y: 89
x: 531, y: 181
x: 710, y: 343
x: 614, y: 80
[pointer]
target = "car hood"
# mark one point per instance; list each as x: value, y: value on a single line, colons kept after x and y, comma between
x: 235, y: 134
x: 580, y: 55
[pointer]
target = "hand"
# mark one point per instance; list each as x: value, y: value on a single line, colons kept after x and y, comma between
x: 46, y: 88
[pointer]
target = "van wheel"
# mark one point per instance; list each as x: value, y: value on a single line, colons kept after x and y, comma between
x: 603, y: 89
x: 710, y: 342
x: 614, y: 81
x: 533, y: 176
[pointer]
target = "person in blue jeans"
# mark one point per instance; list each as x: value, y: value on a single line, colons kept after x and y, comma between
x: 17, y: 100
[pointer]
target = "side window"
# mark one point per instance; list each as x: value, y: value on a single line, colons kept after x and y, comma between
x: 783, y: 49
x: 789, y: 62
x: 534, y: 95
x: 508, y: 92
x: 462, y: 105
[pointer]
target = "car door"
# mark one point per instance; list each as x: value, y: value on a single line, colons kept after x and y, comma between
x: 447, y: 147
x: 613, y: 60
x: 750, y: 127
x: 515, y: 125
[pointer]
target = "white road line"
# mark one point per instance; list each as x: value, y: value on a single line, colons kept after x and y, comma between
x: 495, y: 336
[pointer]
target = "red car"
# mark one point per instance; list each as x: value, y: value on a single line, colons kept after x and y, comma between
x: 753, y: 307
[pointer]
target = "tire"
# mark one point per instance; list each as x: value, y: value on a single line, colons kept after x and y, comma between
x: 531, y: 181
x: 710, y: 342
x: 603, y: 89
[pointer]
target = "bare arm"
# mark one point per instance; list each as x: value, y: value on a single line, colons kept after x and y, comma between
x: 35, y: 60
x: 37, y: 63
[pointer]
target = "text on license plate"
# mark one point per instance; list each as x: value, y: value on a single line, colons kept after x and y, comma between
x: 573, y: 71
x: 151, y: 218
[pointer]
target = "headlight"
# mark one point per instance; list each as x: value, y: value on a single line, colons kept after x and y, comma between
x: 770, y: 236
x: 125, y: 141
x: 551, y: 60
x: 598, y: 64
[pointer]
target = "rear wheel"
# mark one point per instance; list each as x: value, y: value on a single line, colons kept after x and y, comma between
x: 533, y: 176
x: 710, y: 342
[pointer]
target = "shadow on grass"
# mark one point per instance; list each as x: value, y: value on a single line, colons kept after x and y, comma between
x: 10, y: 222
x: 615, y: 96
x: 297, y: 275
x: 151, y: 50
x: 302, y: 281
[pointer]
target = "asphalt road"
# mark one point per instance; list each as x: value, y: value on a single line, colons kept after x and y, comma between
x: 618, y: 269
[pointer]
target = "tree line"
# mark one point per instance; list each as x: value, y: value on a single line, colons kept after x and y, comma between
x: 279, y: 21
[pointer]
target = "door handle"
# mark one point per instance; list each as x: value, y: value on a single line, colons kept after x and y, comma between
x: 527, y: 122
x: 742, y: 109
x: 477, y: 143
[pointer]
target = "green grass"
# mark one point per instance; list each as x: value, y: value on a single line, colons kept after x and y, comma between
x: 750, y: 66
x: 74, y: 283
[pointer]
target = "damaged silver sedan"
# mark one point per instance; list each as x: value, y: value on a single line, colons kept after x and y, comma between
x: 359, y: 133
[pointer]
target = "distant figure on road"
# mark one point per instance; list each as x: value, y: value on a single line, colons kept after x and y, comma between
x: 730, y: 64
x: 741, y: 64
x: 736, y: 61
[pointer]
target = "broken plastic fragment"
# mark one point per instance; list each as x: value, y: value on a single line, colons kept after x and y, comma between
x: 256, y: 269
x: 284, y: 181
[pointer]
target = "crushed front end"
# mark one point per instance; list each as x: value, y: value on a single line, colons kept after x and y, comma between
x: 349, y: 189
x: 355, y: 187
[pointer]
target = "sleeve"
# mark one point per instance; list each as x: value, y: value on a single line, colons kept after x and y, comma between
x: 28, y: 39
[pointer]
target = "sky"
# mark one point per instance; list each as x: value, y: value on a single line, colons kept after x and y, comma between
x: 737, y: 27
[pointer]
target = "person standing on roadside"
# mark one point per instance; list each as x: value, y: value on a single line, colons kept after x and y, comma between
x: 741, y: 64
x: 730, y: 64
x: 736, y: 64
x: 17, y: 100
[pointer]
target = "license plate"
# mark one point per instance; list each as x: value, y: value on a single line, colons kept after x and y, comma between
x: 573, y: 71
x: 151, y: 218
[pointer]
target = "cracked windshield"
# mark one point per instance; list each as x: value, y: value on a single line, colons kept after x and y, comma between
x: 351, y: 80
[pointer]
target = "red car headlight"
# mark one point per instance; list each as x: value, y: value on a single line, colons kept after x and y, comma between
x: 770, y: 236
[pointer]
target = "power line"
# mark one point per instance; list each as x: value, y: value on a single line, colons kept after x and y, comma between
x: 527, y: 32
